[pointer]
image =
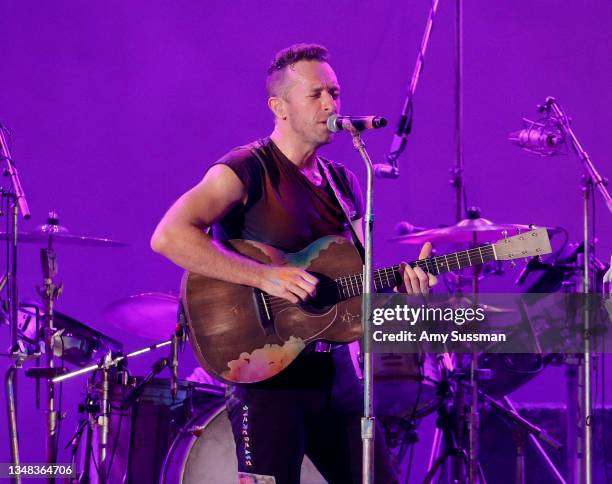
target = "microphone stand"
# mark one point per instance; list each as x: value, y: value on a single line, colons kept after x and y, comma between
x: 368, y: 420
x: 591, y: 179
x: 17, y: 203
x: 457, y: 170
x: 398, y: 145
x: 156, y: 368
x: 114, y: 361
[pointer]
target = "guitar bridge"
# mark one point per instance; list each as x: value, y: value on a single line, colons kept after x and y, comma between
x: 264, y: 312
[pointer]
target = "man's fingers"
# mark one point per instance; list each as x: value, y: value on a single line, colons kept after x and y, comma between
x: 298, y: 291
x: 311, y: 289
x: 425, y: 251
x: 411, y: 280
x: 433, y: 280
x: 309, y: 278
x: 289, y: 296
x: 423, y: 280
x: 405, y: 286
x: 416, y: 280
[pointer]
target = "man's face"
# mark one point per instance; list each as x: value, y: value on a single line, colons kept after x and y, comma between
x: 311, y: 94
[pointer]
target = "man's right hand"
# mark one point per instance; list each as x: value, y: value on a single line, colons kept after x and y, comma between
x: 289, y: 283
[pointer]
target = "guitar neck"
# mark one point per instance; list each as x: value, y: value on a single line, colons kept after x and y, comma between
x: 389, y: 277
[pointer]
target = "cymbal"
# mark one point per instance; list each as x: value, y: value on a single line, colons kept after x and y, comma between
x: 464, y: 232
x: 150, y: 315
x: 59, y: 234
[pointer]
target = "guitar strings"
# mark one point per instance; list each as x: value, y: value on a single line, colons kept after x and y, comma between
x: 276, y: 303
x: 422, y: 263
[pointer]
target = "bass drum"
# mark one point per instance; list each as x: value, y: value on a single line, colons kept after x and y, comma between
x: 204, y: 453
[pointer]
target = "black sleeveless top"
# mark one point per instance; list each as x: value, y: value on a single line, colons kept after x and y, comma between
x: 284, y: 208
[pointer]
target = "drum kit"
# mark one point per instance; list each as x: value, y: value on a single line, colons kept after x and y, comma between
x: 166, y: 430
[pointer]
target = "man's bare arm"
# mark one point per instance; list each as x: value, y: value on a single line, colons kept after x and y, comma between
x: 180, y: 237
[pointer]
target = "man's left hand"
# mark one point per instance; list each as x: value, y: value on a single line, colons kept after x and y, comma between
x: 416, y: 280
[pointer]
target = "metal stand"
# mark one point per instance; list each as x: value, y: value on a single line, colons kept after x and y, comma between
x: 457, y: 170
x: 99, y: 414
x: 114, y: 360
x: 592, y: 179
x: 368, y: 420
x: 10, y: 382
x: 103, y: 419
x: 404, y: 128
x: 446, y: 432
x: 450, y: 432
x: 49, y: 291
x: 531, y: 434
x: 522, y: 430
x: 474, y: 420
x: 18, y: 203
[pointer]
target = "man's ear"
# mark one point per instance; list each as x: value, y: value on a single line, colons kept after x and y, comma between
x: 277, y: 106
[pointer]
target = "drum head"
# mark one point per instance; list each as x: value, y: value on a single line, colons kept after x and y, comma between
x: 205, y: 453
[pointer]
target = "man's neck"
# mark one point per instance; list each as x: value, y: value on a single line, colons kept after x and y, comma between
x: 302, y: 156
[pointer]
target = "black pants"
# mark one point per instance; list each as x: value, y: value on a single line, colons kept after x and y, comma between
x: 314, y: 407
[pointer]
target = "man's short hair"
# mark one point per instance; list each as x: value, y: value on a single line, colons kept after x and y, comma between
x: 289, y: 56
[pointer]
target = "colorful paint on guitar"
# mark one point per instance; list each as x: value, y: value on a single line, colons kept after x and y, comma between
x: 264, y: 362
x: 305, y: 257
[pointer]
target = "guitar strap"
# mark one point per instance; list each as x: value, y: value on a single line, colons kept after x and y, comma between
x: 348, y: 213
x: 355, y: 349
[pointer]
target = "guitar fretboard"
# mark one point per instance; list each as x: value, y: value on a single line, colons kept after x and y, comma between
x: 388, y: 277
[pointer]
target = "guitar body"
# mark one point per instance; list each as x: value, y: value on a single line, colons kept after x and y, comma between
x: 242, y: 335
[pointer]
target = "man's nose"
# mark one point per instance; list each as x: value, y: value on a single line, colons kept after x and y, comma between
x: 329, y: 103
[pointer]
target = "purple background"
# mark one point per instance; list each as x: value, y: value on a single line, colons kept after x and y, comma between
x: 116, y: 108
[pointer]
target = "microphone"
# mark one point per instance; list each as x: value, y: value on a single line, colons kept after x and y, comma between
x: 384, y: 170
x: 540, y: 138
x: 337, y: 123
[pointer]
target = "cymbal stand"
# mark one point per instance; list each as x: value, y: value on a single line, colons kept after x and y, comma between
x: 446, y: 431
x: 16, y: 201
x: 49, y: 291
x: 446, y: 366
x: 450, y: 428
x: 521, y: 429
x: 525, y: 428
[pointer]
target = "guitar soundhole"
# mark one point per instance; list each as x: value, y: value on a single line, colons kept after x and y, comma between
x: 326, y: 297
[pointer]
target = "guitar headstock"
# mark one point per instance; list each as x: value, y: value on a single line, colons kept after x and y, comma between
x: 528, y: 244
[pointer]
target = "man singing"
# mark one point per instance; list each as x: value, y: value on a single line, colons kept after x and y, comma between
x: 276, y: 190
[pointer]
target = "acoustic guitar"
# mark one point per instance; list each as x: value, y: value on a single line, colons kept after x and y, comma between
x: 243, y: 335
